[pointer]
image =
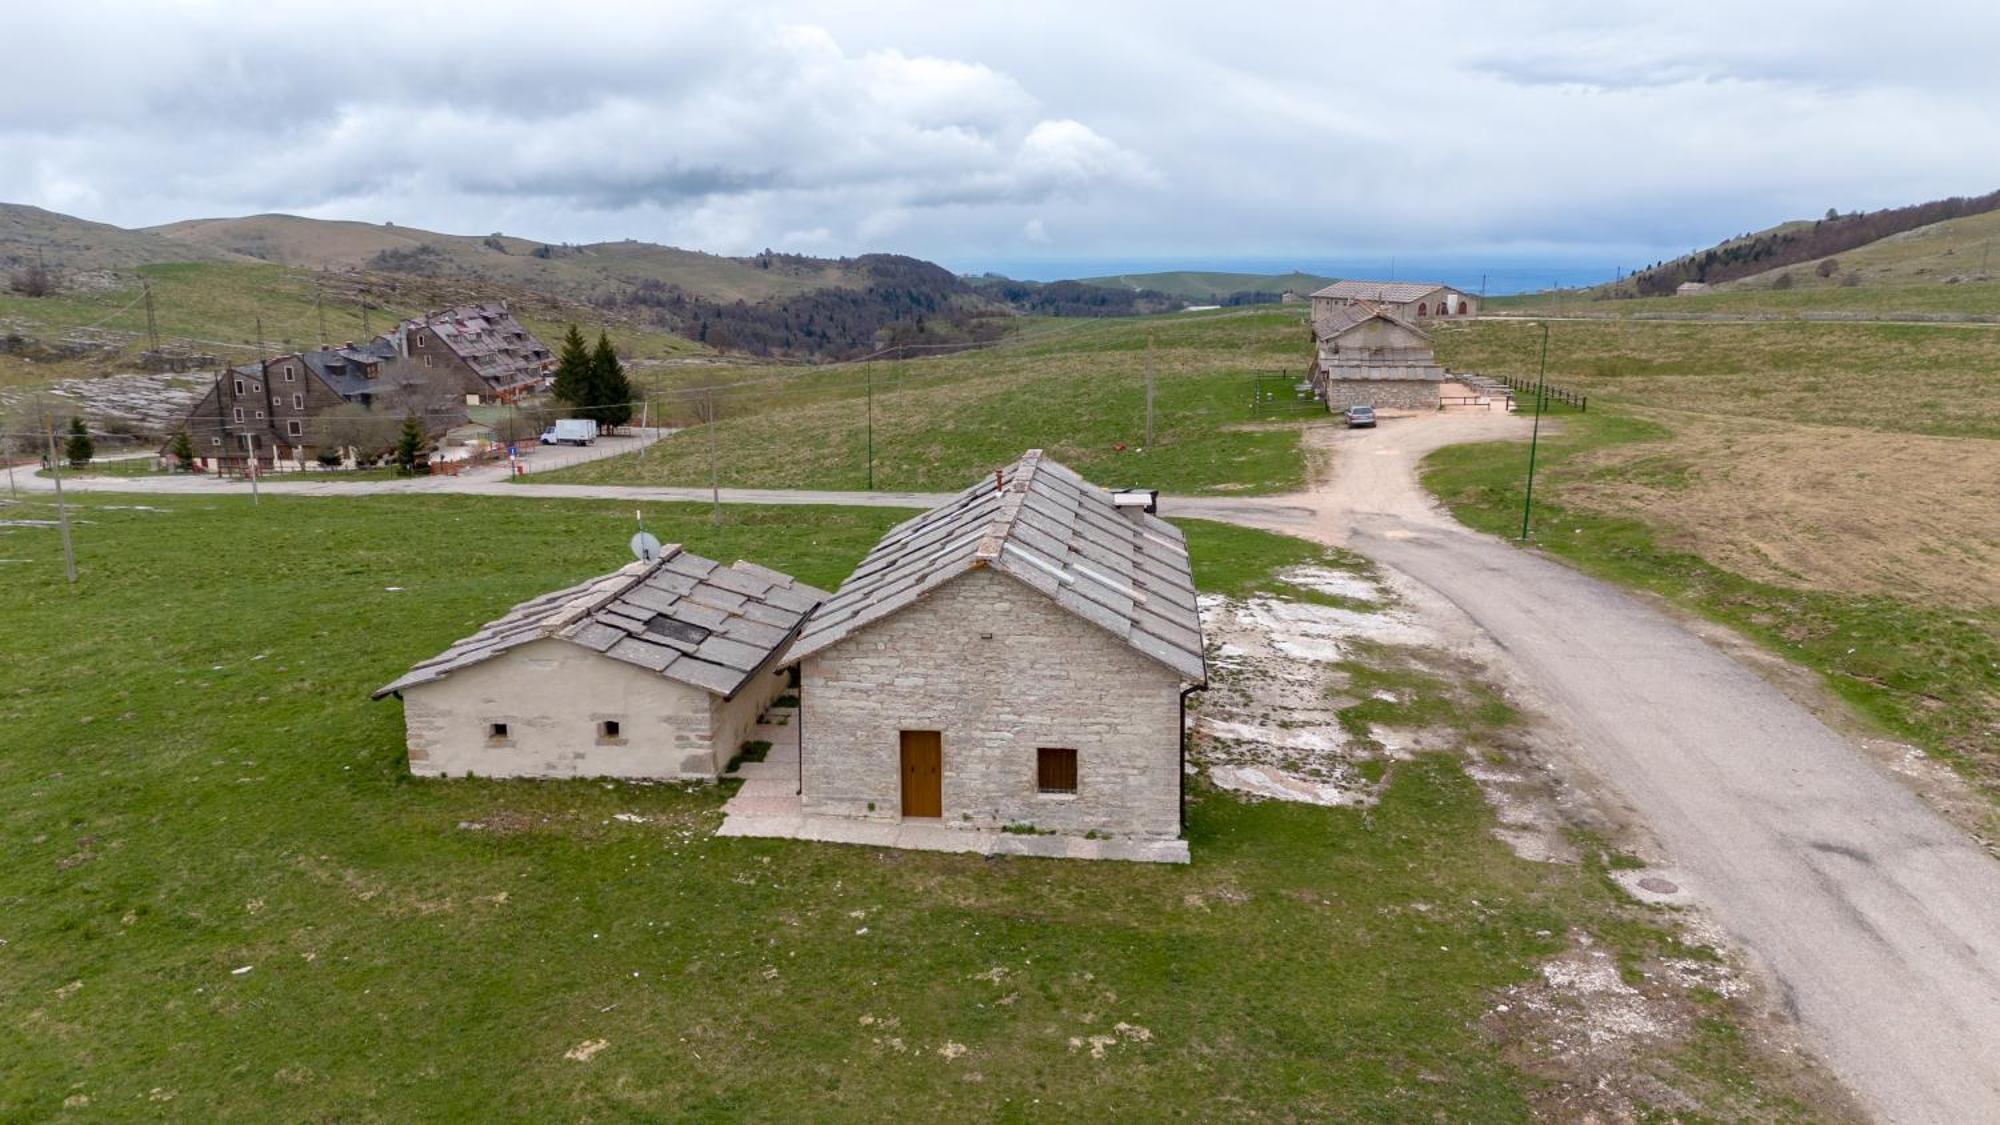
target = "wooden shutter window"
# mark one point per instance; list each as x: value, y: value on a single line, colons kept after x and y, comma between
x: 1055, y: 770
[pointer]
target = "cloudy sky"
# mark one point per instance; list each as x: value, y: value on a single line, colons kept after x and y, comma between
x: 1598, y: 132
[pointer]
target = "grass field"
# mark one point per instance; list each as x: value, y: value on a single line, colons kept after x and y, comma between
x: 1889, y: 298
x: 1077, y: 390
x: 227, y: 900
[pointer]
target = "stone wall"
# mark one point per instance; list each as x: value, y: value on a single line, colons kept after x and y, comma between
x: 998, y: 670
x: 552, y: 694
x: 1382, y: 394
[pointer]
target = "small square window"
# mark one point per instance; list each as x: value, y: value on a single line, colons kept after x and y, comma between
x: 260, y: 415
x: 496, y: 732
x: 294, y: 429
x: 608, y: 731
x: 1055, y: 770
x: 215, y: 441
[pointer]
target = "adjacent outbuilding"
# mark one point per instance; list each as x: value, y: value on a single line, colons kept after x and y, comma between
x: 657, y: 670
x: 1016, y: 659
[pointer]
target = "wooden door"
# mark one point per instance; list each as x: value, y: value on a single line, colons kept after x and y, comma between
x: 923, y: 773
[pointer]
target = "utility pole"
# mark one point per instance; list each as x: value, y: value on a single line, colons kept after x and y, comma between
x: 645, y: 413
x: 260, y: 336
x: 62, y: 506
x: 1149, y: 391
x: 1482, y: 285
x: 152, y: 326
x: 250, y: 447
x: 366, y: 332
x: 869, y: 371
x: 714, y: 470
x: 1534, y: 439
x: 319, y: 308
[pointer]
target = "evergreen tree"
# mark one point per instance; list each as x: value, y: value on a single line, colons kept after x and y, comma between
x: 573, y: 370
x: 183, y: 450
x: 79, y: 450
x: 610, y: 391
x: 409, y: 443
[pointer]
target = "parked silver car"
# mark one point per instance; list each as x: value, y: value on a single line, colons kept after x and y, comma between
x: 1360, y: 416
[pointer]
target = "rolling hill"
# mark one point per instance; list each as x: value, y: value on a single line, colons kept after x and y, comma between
x: 30, y: 234
x: 1212, y: 287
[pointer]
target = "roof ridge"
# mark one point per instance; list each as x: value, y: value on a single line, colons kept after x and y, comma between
x: 587, y: 606
x: 1013, y: 492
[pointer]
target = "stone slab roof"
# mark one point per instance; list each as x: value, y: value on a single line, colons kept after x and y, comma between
x: 1120, y: 569
x: 1394, y: 292
x: 1347, y: 318
x: 684, y: 617
x: 488, y: 337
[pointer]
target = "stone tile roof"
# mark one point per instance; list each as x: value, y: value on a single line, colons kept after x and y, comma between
x: 1120, y: 569
x: 1348, y: 317
x: 488, y: 337
x: 1394, y: 292
x: 344, y: 368
x: 684, y: 617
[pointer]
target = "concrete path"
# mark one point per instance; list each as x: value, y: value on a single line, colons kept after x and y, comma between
x: 1879, y: 921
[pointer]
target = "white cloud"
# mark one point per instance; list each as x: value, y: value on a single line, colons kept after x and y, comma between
x: 1134, y: 129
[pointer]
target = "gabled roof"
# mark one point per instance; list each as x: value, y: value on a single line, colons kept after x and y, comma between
x: 684, y: 617
x: 1348, y: 317
x: 342, y: 368
x: 1394, y: 292
x: 1120, y: 569
x: 487, y: 337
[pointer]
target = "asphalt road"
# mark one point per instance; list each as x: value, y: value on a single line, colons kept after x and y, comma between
x: 1878, y: 921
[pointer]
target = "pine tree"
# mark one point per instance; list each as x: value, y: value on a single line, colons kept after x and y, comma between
x: 573, y: 370
x: 79, y: 450
x: 183, y: 450
x: 610, y: 390
x: 409, y: 443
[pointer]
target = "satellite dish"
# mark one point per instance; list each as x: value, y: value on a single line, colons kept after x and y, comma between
x: 646, y: 547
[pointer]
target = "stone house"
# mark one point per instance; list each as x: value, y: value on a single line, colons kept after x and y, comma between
x: 1019, y: 656
x: 273, y: 405
x: 1368, y: 356
x: 482, y: 347
x: 1411, y: 300
x: 657, y: 670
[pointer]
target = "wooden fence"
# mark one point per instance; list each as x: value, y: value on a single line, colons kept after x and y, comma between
x: 1524, y: 390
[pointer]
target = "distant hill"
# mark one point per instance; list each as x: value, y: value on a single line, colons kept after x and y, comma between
x: 576, y: 272
x: 1948, y: 253
x: 1209, y: 287
x: 1803, y: 242
x: 765, y: 304
x: 63, y: 242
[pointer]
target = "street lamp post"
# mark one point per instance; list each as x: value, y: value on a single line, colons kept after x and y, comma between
x: 1535, y: 438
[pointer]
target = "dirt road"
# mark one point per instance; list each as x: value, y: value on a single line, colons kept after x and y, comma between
x: 1879, y: 921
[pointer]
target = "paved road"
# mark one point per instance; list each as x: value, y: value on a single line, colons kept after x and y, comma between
x: 1879, y: 921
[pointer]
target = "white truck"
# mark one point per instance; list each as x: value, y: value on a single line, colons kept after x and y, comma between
x: 570, y: 431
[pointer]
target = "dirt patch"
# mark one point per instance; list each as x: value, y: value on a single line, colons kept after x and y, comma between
x: 1852, y: 510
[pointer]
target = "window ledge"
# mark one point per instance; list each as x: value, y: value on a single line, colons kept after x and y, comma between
x: 1055, y: 796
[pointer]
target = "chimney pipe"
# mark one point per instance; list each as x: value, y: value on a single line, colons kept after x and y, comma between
x: 999, y: 482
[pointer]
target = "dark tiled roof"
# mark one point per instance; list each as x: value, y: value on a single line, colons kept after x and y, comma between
x: 684, y: 617
x: 344, y: 368
x: 1120, y: 569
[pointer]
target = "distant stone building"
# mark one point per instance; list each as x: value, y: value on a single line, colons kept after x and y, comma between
x: 483, y: 346
x: 1367, y: 356
x: 274, y: 407
x: 657, y: 670
x: 1018, y: 656
x: 1411, y: 300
